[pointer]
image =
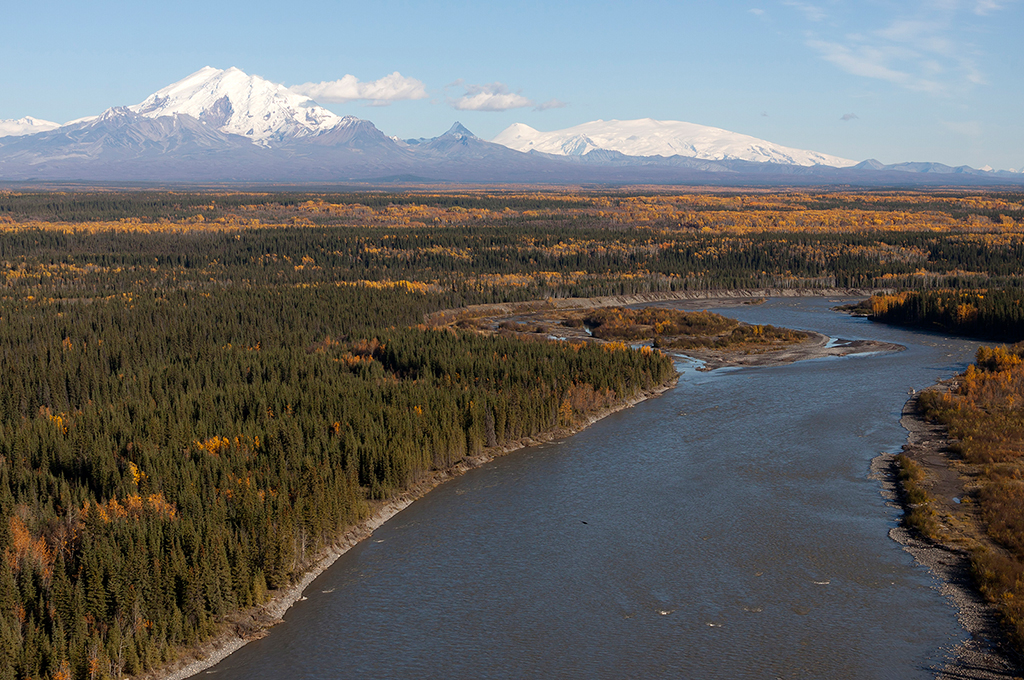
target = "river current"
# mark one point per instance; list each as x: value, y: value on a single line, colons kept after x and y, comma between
x: 726, y: 529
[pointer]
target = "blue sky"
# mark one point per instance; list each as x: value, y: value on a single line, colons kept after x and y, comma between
x: 926, y: 80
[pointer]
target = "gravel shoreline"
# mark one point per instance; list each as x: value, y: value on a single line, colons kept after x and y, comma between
x: 986, y: 654
x: 724, y: 297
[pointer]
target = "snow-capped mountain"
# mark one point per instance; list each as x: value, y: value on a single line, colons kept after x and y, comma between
x: 227, y: 126
x: 25, y: 126
x: 234, y: 102
x: 647, y: 137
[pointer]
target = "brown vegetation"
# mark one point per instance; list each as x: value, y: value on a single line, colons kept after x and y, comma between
x: 691, y: 212
x: 983, y: 411
x: 675, y: 329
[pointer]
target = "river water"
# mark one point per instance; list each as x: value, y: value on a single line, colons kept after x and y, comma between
x: 727, y: 529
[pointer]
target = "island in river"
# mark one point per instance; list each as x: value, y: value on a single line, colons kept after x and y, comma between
x: 713, y: 339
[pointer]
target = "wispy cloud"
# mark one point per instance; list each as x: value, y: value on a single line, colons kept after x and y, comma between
x: 550, y: 104
x: 812, y: 12
x: 872, y: 62
x: 849, y: 116
x: 967, y: 128
x: 920, y: 46
x: 983, y: 7
x: 490, y: 97
x: 390, y: 88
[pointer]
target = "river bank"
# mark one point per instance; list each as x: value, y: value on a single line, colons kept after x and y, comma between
x: 987, y: 654
x: 253, y: 624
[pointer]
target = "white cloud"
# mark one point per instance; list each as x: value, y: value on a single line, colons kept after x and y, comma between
x: 756, y: 11
x: 921, y: 46
x: 390, y: 88
x: 491, y: 97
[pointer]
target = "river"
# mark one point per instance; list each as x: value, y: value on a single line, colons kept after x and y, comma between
x: 727, y: 529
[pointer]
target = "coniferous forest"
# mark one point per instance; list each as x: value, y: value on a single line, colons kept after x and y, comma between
x: 992, y: 314
x: 201, y: 391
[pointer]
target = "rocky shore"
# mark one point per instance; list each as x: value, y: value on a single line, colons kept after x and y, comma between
x: 986, y: 654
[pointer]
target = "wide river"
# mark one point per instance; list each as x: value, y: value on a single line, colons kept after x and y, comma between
x: 727, y: 529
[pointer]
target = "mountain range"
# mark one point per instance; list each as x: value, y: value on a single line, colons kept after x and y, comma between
x: 226, y: 126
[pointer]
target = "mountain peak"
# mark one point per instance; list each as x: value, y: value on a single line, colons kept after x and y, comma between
x: 114, y: 112
x: 25, y: 126
x: 459, y: 129
x: 234, y: 102
x: 870, y: 164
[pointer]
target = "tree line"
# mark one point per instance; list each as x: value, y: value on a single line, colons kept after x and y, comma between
x: 495, y: 262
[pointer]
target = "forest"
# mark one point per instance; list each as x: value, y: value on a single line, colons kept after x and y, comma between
x: 167, y: 458
x: 203, y: 390
x: 991, y: 314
